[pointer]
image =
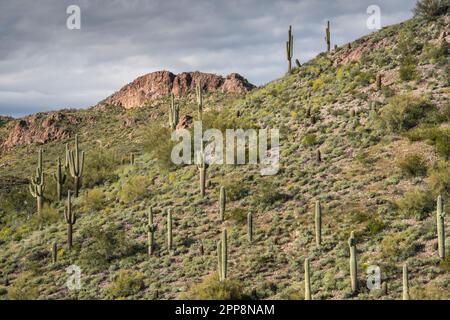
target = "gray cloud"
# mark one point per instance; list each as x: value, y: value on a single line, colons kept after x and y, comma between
x: 43, y: 65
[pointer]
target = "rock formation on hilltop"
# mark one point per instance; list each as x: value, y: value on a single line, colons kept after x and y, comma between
x: 161, y: 83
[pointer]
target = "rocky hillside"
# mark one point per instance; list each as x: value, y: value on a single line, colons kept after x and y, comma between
x: 365, y: 136
x: 162, y: 83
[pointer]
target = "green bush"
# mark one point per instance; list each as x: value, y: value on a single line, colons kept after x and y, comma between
x: 93, y: 200
x: 237, y: 214
x: 413, y: 166
x: 439, y: 179
x: 212, y: 289
x: 100, y: 167
x: 408, y: 70
x: 309, y: 140
x: 404, y: 112
x: 430, y: 9
x: 23, y: 288
x: 416, y: 204
x: 157, y: 142
x: 135, y: 189
x: 104, y: 246
x: 48, y: 215
x: 125, y: 283
x: 434, y: 135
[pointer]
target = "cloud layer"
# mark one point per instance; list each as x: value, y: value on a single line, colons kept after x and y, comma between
x: 44, y: 65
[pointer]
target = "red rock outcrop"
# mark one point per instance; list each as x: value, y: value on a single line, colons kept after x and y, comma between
x: 161, y: 83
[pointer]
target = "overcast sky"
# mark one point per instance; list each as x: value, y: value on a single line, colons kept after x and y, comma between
x: 44, y: 65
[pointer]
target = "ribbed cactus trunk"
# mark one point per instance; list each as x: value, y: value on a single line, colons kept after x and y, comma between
x: 132, y: 159
x: 222, y: 201
x: 76, y: 165
x: 250, y: 227
x: 151, y: 229
x: 169, y: 230
x: 202, y: 182
x: 54, y: 252
x: 353, y: 263
x: 328, y: 37
x: 307, y: 280
x: 318, y: 223
x: 405, y: 282
x: 37, y: 184
x: 379, y: 80
x: 201, y: 165
x: 440, y: 215
x: 59, y: 178
x: 70, y: 217
x: 199, y: 93
x: 222, y: 256
x: 290, y: 48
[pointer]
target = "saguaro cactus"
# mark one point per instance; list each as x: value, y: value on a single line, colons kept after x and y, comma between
x: 132, y: 157
x: 76, y: 165
x: 297, y: 62
x: 250, y: 227
x: 60, y: 177
x: 169, y: 230
x: 199, y: 92
x: 319, y: 156
x: 54, y: 252
x: 174, y: 114
x: 440, y: 215
x: 222, y: 201
x: 66, y: 163
x: 70, y: 217
x: 318, y: 223
x: 328, y: 37
x: 307, y: 280
x: 202, y: 166
x: 290, y: 48
x: 379, y: 79
x: 151, y: 229
x: 37, y: 184
x: 353, y: 262
x: 405, y: 282
x: 222, y: 256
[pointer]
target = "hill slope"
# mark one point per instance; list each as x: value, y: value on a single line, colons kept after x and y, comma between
x: 384, y: 160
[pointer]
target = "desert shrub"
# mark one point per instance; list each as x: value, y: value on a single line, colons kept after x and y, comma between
x: 408, y: 69
x: 106, y: 244
x: 235, y: 189
x: 100, y: 167
x: 439, y: 179
x: 374, y: 226
x: 135, y: 189
x: 48, y: 215
x: 404, y: 112
x: 416, y: 204
x: 434, y: 135
x: 413, y: 166
x: 309, y: 140
x: 237, y: 214
x: 398, y: 246
x: 93, y: 200
x: 125, y: 283
x: 17, y: 201
x: 213, y: 289
x: 157, y: 142
x: 267, y: 194
x: 430, y: 9
x: 429, y: 291
x: 23, y: 288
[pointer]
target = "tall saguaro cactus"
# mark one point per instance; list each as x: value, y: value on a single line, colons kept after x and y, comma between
x: 76, y: 165
x: 37, y: 184
x: 222, y: 256
x: 405, y: 282
x: 151, y: 229
x: 290, y: 48
x: 307, y: 280
x: 199, y: 93
x: 353, y: 262
x: 318, y: 223
x: 70, y: 217
x: 440, y: 223
x: 250, y: 227
x: 60, y: 177
x: 202, y: 166
x: 379, y: 81
x: 174, y: 113
x: 169, y: 230
x: 223, y: 203
x: 55, y: 252
x: 328, y: 37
